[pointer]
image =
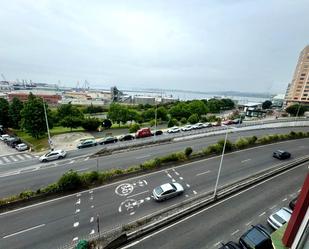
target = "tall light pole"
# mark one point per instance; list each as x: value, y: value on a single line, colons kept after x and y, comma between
x: 299, y: 104
x: 49, y: 140
x: 220, y: 166
x: 155, y: 121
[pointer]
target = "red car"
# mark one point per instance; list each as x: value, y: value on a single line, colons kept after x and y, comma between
x: 144, y: 132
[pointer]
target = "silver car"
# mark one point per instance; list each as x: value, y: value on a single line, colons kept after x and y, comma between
x: 167, y: 191
x: 174, y: 129
x: 21, y: 147
x: 279, y: 218
x: 53, y: 155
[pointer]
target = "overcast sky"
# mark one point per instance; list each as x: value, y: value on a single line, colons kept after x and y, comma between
x: 204, y: 45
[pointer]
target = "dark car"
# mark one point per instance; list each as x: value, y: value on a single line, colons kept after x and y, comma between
x: 230, y: 245
x: 14, y: 142
x: 86, y: 143
x: 280, y: 154
x: 256, y: 237
x: 157, y: 133
x: 126, y: 137
x: 293, y: 203
x: 108, y: 140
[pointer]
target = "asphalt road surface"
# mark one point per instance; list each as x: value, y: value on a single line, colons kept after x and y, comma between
x: 17, y: 177
x: 228, y: 219
x: 54, y: 223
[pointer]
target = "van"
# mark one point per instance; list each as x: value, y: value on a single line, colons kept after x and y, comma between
x: 144, y: 132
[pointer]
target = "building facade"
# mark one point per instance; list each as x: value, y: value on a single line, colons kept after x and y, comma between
x: 298, y: 89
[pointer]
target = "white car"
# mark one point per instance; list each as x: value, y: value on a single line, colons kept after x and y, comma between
x: 174, y: 129
x: 4, y: 137
x: 187, y: 128
x: 21, y: 147
x: 279, y: 218
x: 167, y: 190
x: 53, y: 155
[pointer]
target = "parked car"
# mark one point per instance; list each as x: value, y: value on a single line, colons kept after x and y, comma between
x: 279, y: 218
x: 87, y: 143
x: 230, y: 245
x: 53, y: 155
x: 187, y: 128
x: 157, y: 133
x: 256, y: 237
x: 174, y: 129
x: 144, y: 132
x: 13, y: 142
x: 198, y: 126
x: 9, y: 139
x: 4, y: 137
x: 21, y: 147
x: 237, y: 121
x: 126, y: 137
x: 167, y: 191
x: 228, y: 122
x: 215, y: 124
x: 280, y: 154
x: 108, y: 140
x: 293, y: 203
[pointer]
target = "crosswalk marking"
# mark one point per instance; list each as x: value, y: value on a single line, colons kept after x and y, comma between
x: 20, y: 157
x: 6, y: 159
x: 26, y: 155
x: 14, y: 159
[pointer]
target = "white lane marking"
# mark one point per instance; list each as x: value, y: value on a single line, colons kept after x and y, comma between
x: 176, y: 173
x: 86, y: 158
x: 92, y: 206
x: 169, y: 175
x: 188, y: 185
x: 71, y: 162
x: 77, y: 211
x: 76, y: 224
x: 141, y: 157
x: 20, y: 157
x: 273, y: 207
x: 206, y: 172
x: 173, y: 180
x: 75, y: 239
x: 81, y: 169
x: 91, y: 191
x: 78, y: 202
x: 262, y: 214
x: 218, y: 243
x: 209, y: 207
x: 194, y: 192
x: 91, y: 198
x: 138, y: 194
x: 181, y: 178
x: 92, y: 232
x: 28, y: 156
x: 187, y: 195
x: 247, y: 160
x: 6, y: 159
x: 148, y: 198
x: 285, y: 199
x: 23, y: 231
x: 247, y: 224
x: 13, y: 158
x: 78, y: 194
x: 91, y: 219
x: 233, y: 233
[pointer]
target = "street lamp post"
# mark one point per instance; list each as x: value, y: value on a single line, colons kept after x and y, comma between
x: 220, y: 166
x: 49, y: 140
x: 155, y: 122
x: 299, y: 104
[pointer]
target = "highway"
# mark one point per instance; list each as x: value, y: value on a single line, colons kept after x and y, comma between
x: 228, y: 219
x: 54, y: 223
x: 17, y: 177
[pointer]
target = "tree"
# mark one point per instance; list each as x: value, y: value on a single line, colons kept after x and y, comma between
x: 193, y: 118
x: 4, y: 112
x: 15, y: 113
x: 33, y: 117
x: 68, y: 110
x: 172, y: 122
x: 214, y: 105
x: 91, y: 124
x: 266, y: 104
x: 197, y: 107
x: 149, y: 114
x: 180, y: 110
x: 71, y: 122
x: 162, y: 113
x: 107, y: 123
x: 134, y: 128
x: 118, y: 113
x: 293, y: 109
x: 183, y: 120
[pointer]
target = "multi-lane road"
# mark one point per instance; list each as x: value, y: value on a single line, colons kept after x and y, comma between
x: 54, y: 223
x: 30, y: 174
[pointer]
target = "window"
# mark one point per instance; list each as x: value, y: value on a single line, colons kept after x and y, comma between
x: 303, y: 74
x: 301, y: 78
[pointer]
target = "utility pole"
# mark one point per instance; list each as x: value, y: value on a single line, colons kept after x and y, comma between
x: 49, y: 140
x: 220, y: 166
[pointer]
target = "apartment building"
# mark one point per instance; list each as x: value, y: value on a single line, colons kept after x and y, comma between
x: 298, y: 89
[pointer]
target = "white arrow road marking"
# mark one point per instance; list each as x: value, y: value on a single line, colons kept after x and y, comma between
x: 75, y: 239
x: 91, y: 219
x: 76, y: 224
x: 23, y: 231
